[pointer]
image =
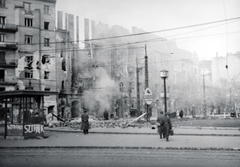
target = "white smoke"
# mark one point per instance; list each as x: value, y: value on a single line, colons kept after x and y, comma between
x: 99, y: 98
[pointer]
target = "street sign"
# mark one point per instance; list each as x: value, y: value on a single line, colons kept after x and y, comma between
x: 148, y: 96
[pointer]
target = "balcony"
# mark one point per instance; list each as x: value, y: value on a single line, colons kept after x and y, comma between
x: 8, y: 45
x: 8, y: 80
x: 8, y: 28
x: 8, y: 64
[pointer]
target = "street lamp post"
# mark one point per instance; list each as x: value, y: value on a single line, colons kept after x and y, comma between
x: 164, y: 75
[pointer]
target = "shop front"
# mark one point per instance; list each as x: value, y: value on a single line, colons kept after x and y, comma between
x: 22, y: 113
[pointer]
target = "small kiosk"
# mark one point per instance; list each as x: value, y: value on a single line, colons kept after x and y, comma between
x: 22, y: 113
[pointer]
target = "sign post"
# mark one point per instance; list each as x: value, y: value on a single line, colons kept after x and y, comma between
x: 148, y: 99
x: 148, y: 96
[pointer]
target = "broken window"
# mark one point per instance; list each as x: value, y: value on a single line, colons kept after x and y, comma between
x: 28, y: 39
x: 46, y: 25
x: 28, y: 22
x: 28, y: 72
x: 46, y: 74
x: 29, y: 61
x: 45, y: 59
x: 46, y: 41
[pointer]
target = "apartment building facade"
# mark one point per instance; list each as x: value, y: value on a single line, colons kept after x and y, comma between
x: 27, y: 47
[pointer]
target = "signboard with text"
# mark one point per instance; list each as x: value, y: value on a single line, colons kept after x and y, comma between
x: 14, y: 130
x: 33, y: 130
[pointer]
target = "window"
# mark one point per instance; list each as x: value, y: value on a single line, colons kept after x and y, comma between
x: 2, y: 74
x: 46, y: 25
x: 46, y: 59
x: 2, y: 3
x: 46, y: 9
x: 2, y: 37
x: 2, y: 57
x: 47, y: 89
x: 46, y: 74
x: 28, y: 73
x: 27, y: 6
x: 2, y: 20
x: 62, y: 84
x: 28, y: 68
x: 46, y: 41
x: 29, y: 61
x: 28, y: 39
x: 28, y: 22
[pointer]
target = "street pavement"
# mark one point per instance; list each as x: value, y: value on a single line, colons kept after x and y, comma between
x: 117, y: 157
x: 185, y: 138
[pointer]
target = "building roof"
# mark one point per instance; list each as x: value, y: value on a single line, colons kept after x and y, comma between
x: 51, y: 1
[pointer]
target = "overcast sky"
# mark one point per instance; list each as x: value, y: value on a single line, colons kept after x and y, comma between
x: 154, y: 15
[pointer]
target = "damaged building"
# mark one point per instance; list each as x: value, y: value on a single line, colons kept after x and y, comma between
x: 27, y: 47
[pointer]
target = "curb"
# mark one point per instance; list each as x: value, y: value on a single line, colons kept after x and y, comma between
x: 137, y: 133
x: 208, y: 128
x: 117, y: 147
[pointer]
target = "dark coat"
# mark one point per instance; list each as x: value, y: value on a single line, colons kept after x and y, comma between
x: 167, y: 125
x: 161, y: 124
x: 85, y: 123
x: 181, y: 114
x: 105, y: 115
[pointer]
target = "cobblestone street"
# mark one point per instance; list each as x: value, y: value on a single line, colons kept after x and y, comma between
x: 117, y: 157
x: 125, y: 147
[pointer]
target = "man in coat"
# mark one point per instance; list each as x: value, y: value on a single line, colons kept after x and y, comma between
x: 181, y: 114
x: 167, y: 126
x: 160, y: 125
x: 85, y: 123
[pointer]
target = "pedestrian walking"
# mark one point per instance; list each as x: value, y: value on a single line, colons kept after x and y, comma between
x: 105, y: 115
x: 160, y: 125
x: 85, y: 123
x: 181, y: 113
x: 167, y: 126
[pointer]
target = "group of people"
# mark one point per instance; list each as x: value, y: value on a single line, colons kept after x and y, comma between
x: 164, y: 126
x: 163, y: 122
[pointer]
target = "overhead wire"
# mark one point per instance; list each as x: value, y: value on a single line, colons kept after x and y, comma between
x: 170, y: 29
x: 105, y: 47
x: 226, y: 24
x: 144, y: 33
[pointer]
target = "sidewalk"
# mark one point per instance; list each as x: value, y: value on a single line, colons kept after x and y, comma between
x: 184, y: 130
x: 185, y: 138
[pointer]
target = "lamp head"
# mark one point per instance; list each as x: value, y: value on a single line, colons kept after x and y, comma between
x: 163, y: 73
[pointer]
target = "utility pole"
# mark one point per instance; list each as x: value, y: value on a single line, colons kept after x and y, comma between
x: 146, y: 77
x: 165, y: 95
x: 138, y: 94
x: 204, y: 96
